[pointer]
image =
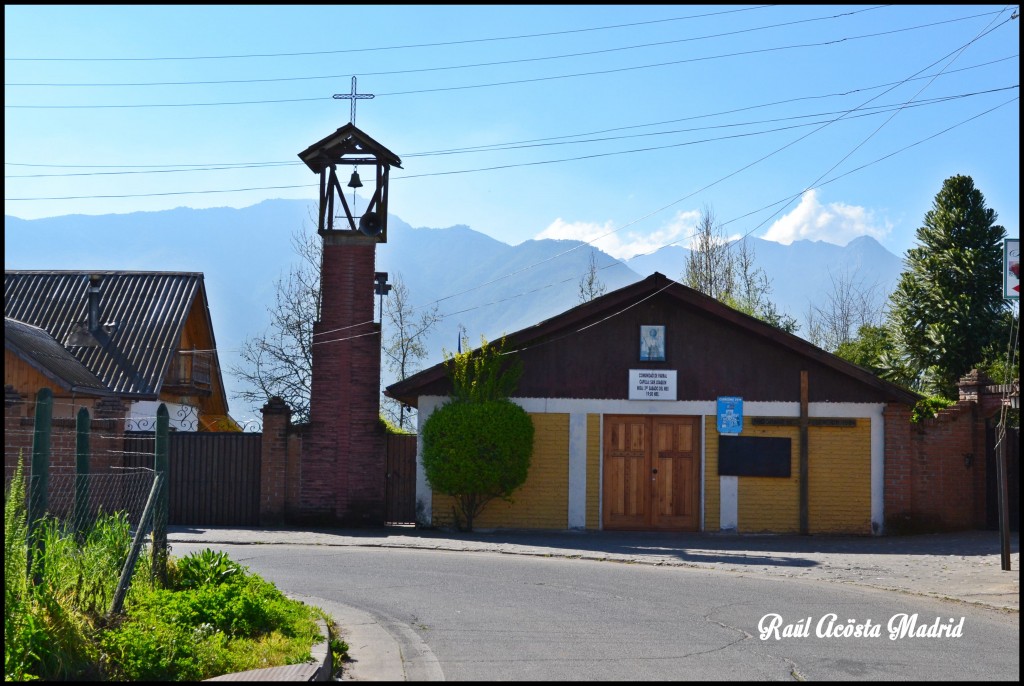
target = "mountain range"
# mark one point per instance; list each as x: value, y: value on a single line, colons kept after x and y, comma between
x: 480, y: 284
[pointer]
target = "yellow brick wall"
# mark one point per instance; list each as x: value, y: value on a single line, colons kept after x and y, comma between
x: 712, y: 495
x: 839, y: 479
x: 770, y: 503
x: 839, y: 476
x: 540, y: 503
x: 593, y: 471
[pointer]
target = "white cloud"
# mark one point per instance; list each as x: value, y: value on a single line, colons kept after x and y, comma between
x: 833, y: 223
x: 623, y: 244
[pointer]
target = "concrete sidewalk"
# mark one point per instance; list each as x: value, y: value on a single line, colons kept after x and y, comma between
x: 962, y: 566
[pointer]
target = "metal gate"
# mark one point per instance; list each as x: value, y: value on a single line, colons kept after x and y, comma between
x: 213, y: 477
x: 400, y: 480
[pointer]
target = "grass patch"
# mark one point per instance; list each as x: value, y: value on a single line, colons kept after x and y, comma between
x: 212, y: 617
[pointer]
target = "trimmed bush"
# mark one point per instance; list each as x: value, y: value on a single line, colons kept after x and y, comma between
x: 476, y: 452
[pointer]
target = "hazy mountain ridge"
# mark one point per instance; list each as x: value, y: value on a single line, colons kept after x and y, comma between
x: 487, y: 286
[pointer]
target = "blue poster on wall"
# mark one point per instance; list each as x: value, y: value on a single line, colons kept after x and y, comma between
x: 730, y: 415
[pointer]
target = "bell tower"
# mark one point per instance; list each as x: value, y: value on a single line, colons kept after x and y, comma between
x: 342, y: 469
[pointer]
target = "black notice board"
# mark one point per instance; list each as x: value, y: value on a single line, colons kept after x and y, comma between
x: 754, y: 456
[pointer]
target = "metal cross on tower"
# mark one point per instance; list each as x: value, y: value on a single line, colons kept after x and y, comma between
x: 353, y: 96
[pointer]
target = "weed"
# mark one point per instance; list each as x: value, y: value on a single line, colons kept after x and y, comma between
x: 213, y: 618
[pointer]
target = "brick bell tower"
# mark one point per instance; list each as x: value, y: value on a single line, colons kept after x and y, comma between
x: 342, y: 467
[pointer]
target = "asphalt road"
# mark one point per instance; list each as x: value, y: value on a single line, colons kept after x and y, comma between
x: 488, y: 616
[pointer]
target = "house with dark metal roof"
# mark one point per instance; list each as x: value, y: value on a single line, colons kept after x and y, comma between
x: 141, y: 338
x: 656, y: 407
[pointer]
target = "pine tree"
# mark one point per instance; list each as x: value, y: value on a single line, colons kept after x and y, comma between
x: 948, y: 304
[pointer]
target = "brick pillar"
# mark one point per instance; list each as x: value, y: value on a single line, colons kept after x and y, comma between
x: 343, y: 452
x: 106, y: 440
x: 899, y: 468
x: 274, y: 461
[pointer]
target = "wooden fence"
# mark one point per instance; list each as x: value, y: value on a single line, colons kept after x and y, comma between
x: 213, y: 477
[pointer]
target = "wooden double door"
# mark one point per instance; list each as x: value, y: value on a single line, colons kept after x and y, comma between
x: 651, y: 472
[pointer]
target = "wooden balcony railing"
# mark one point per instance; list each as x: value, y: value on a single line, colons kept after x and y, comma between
x: 190, y: 372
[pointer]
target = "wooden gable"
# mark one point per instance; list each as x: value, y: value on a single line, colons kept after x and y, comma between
x: 588, y: 352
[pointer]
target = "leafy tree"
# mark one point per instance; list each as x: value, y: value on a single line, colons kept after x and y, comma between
x: 1001, y: 359
x: 948, y: 305
x: 867, y: 348
x: 477, y: 447
x: 487, y: 374
x: 590, y: 285
x: 404, y: 347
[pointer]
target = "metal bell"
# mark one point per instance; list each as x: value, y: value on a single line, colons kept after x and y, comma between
x: 354, y: 182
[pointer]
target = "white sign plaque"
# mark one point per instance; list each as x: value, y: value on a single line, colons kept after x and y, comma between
x: 652, y: 384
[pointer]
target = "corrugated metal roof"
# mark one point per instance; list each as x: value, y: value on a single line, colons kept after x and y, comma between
x: 141, y: 317
x: 48, y: 356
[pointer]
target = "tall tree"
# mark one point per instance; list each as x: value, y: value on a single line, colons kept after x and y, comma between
x: 404, y: 347
x: 590, y: 284
x: 710, y: 266
x: 948, y: 305
x: 279, y: 361
x: 726, y: 271
x: 838, y: 319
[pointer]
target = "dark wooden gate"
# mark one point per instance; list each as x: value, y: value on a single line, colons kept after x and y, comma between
x: 213, y: 477
x: 400, y: 480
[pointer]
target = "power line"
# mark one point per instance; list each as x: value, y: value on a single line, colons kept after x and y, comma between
x: 392, y: 47
x: 515, y: 81
x: 502, y: 145
x: 413, y: 176
x: 450, y: 67
x: 467, y: 171
x: 526, y: 144
x: 954, y: 54
x: 621, y: 262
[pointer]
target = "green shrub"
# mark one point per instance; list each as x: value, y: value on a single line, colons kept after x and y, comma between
x: 219, y: 618
x: 205, y: 567
x: 477, y: 452
x: 928, y: 408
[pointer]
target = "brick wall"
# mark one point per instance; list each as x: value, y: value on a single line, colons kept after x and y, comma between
x: 540, y: 503
x: 839, y: 486
x: 110, y: 487
x: 767, y: 504
x: 839, y: 479
x: 934, y: 470
x: 712, y: 491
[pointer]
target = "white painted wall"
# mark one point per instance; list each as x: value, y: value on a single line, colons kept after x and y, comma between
x: 142, y: 416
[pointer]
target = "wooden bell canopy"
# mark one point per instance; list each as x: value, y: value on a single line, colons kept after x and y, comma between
x: 351, y: 146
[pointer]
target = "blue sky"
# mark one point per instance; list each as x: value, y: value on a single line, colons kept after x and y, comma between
x: 612, y: 121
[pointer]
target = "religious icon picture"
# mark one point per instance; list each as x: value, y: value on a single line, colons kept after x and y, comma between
x: 652, y: 343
